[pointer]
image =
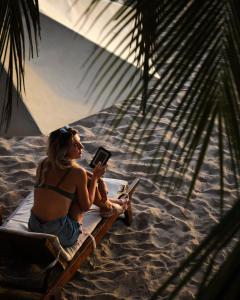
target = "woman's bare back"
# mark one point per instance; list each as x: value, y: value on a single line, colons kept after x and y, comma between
x: 50, y: 204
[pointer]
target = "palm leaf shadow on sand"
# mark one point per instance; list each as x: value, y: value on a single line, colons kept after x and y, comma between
x: 196, y: 74
x: 194, y: 47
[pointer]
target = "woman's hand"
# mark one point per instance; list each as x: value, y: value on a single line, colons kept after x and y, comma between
x: 99, y: 170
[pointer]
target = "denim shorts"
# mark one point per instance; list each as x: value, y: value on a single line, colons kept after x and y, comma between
x: 65, y: 228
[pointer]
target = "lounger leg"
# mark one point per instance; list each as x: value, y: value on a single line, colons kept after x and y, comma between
x: 128, y: 214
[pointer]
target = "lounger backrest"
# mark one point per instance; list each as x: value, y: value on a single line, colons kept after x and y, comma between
x: 30, y: 247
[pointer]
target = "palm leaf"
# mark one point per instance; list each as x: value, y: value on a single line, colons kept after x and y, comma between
x: 220, y: 236
x: 194, y: 42
x: 185, y: 41
x: 17, y: 18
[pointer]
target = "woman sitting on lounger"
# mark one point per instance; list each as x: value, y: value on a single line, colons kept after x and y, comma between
x: 64, y: 190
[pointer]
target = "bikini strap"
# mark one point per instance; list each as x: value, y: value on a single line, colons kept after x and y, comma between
x: 40, y: 174
x: 63, y: 177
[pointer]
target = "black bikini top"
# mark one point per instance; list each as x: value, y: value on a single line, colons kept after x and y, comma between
x: 56, y: 188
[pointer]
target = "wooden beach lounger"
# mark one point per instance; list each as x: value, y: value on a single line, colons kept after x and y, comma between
x: 34, y: 265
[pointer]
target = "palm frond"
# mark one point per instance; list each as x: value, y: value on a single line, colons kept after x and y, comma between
x: 194, y: 49
x: 220, y: 237
x: 17, y: 18
x: 194, y: 42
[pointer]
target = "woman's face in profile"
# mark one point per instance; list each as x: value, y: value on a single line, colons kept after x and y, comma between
x: 76, y: 148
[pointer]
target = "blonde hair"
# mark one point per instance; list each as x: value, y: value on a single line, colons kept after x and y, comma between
x: 59, y: 142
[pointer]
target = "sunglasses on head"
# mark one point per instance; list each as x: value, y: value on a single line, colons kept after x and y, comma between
x: 64, y: 130
x: 63, y: 133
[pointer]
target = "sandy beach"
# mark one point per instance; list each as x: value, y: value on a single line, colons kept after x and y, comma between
x: 130, y: 262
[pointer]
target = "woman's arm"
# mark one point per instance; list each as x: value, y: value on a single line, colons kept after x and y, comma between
x: 102, y: 187
x: 85, y: 199
x: 86, y: 194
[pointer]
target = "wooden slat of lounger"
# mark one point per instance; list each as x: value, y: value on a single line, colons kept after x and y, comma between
x: 84, y: 251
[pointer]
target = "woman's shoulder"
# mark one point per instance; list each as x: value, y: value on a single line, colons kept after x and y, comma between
x: 77, y: 169
x: 42, y: 161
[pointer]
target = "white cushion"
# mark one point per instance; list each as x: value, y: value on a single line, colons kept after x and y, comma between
x: 17, y: 222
